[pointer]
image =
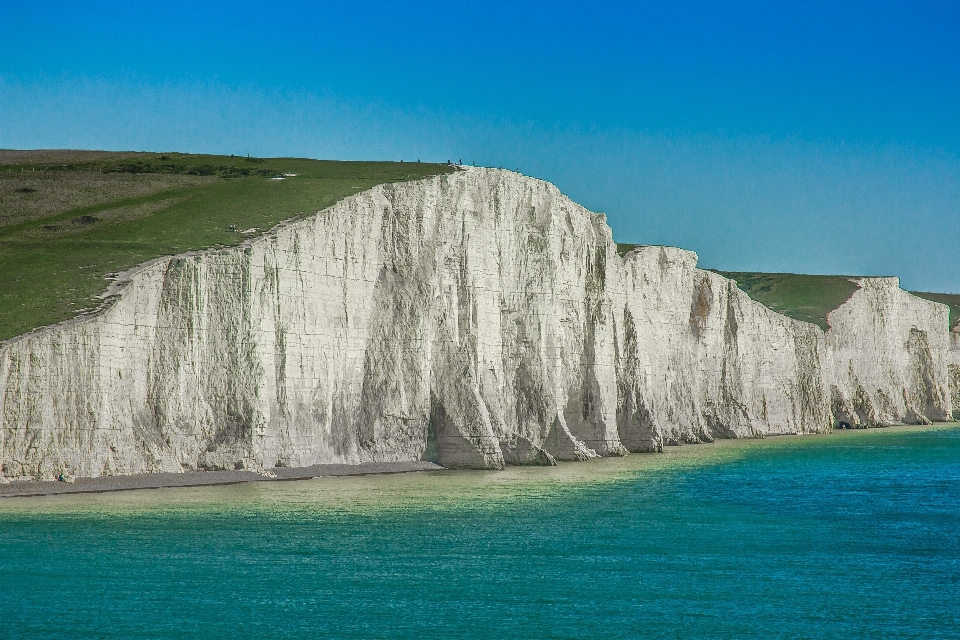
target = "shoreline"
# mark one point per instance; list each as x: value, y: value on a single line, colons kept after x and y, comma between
x: 134, y: 482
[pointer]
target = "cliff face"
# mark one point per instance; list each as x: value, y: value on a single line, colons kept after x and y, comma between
x: 887, y: 356
x: 701, y: 360
x: 953, y: 371
x: 477, y: 319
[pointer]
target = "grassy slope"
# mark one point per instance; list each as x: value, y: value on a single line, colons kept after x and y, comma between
x: 811, y: 298
x: 802, y: 297
x: 807, y: 297
x: 53, y: 264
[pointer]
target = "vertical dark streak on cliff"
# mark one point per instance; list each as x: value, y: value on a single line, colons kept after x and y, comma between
x: 927, y: 401
x: 638, y: 432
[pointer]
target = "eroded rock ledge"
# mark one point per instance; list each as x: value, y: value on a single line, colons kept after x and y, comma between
x: 475, y: 319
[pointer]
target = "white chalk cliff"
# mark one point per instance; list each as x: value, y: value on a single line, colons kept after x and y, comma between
x: 477, y: 319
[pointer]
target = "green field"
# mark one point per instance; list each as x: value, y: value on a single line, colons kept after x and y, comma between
x: 811, y: 298
x: 69, y: 219
x: 802, y: 297
x: 807, y: 297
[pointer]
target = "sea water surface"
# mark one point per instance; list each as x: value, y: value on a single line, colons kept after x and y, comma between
x: 852, y: 535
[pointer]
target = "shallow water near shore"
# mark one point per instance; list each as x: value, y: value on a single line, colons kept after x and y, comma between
x: 854, y: 534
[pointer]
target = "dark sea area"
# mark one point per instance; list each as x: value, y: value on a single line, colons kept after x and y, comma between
x: 849, y: 535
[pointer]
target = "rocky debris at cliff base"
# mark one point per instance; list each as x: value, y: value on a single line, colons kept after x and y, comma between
x: 25, y: 488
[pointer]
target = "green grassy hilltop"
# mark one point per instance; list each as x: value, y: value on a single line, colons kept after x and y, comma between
x: 807, y: 297
x: 802, y: 297
x: 810, y: 298
x: 68, y: 219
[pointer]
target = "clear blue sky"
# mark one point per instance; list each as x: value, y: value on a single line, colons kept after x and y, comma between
x: 776, y: 136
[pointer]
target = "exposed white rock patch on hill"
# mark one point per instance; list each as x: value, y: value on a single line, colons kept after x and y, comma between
x: 478, y: 319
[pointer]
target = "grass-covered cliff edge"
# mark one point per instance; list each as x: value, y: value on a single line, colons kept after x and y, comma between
x: 70, y: 219
x: 808, y: 297
x: 812, y: 297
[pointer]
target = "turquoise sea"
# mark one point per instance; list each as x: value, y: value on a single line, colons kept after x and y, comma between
x: 850, y: 535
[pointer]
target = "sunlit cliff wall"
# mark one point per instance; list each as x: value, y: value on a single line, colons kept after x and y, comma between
x: 476, y: 319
